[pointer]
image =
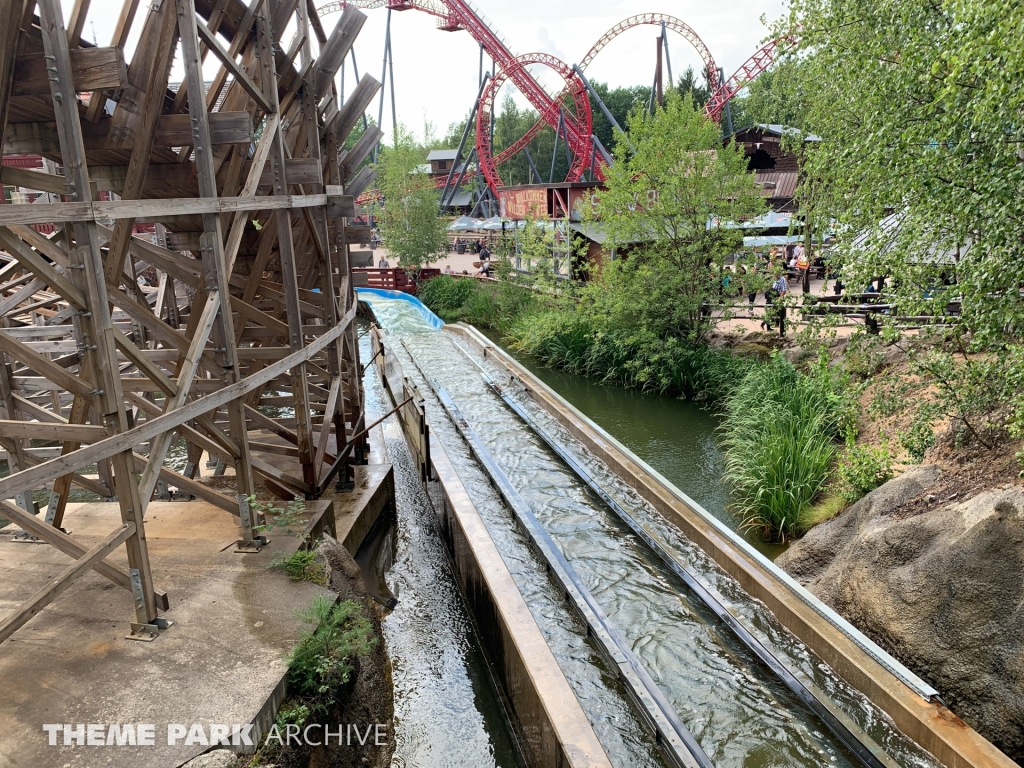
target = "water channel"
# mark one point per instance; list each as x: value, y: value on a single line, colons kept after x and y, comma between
x: 740, y: 714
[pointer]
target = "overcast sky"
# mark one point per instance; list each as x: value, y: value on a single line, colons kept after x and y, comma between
x: 436, y: 72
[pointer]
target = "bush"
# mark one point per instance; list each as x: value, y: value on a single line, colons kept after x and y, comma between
x: 445, y: 295
x: 301, y: 565
x: 324, y: 657
x: 484, y: 304
x: 630, y: 358
x: 779, y: 437
x: 861, y: 469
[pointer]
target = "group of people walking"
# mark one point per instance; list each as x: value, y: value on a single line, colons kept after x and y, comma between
x: 770, y: 277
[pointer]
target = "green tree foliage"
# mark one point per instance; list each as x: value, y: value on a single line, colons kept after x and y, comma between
x: 410, y: 226
x: 663, y: 206
x: 920, y: 110
x: 774, y: 97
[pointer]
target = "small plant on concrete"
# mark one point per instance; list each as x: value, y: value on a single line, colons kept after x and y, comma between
x: 301, y: 565
x: 292, y: 713
x: 289, y: 519
x: 324, y: 658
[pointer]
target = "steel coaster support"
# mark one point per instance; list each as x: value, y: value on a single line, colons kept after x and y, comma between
x: 445, y: 195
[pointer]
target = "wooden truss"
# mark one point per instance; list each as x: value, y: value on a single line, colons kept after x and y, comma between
x: 249, y: 300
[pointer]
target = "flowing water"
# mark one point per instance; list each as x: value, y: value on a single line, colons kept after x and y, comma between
x: 675, y: 437
x: 447, y: 711
x: 741, y: 714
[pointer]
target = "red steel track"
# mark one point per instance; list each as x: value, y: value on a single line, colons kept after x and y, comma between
x: 571, y: 108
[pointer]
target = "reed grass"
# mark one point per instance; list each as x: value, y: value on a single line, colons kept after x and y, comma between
x: 780, y: 439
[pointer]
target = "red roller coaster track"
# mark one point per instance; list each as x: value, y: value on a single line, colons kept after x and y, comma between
x: 576, y: 124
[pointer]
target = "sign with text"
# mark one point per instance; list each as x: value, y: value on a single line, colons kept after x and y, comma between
x: 524, y: 203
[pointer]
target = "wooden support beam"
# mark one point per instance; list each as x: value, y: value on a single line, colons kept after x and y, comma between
x: 43, y: 365
x: 354, y: 106
x: 83, y: 565
x: 35, y: 430
x: 334, y: 51
x: 228, y: 60
x: 93, y: 69
x: 66, y: 544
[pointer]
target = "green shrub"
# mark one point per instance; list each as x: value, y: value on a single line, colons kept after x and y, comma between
x: 292, y: 713
x: 445, y: 295
x: 630, y: 358
x: 324, y: 657
x: 301, y: 565
x: 484, y: 304
x: 919, y: 436
x: 779, y: 437
x: 861, y: 469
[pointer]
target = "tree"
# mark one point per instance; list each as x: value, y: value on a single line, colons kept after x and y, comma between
x: 666, y: 205
x: 410, y: 226
x: 921, y: 116
x: 920, y: 113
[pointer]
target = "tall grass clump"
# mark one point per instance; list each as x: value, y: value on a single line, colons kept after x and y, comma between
x: 336, y: 635
x: 780, y: 438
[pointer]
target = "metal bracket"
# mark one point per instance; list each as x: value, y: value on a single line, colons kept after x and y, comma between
x: 147, y: 633
x: 24, y: 537
x: 251, y: 546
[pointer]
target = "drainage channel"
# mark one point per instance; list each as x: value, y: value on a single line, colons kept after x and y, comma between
x: 670, y: 731
x: 719, y: 687
x: 675, y: 741
x: 837, y: 721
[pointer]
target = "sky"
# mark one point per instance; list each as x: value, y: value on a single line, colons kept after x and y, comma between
x: 436, y: 72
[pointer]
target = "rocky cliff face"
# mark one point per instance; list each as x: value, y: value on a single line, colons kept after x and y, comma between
x: 939, y: 584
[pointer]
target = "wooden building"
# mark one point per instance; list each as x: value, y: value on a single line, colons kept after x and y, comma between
x: 777, y: 169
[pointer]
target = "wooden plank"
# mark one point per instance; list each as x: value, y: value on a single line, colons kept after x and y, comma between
x: 303, y: 170
x: 334, y: 51
x: 92, y: 69
x: 186, y: 373
x: 195, y: 488
x: 225, y: 128
x: 76, y: 23
x: 12, y: 302
x: 269, y: 470
x: 354, y: 107
x: 35, y: 430
x: 366, y: 176
x: 228, y: 60
x: 259, y: 161
x: 340, y: 204
x: 40, y: 267
x: 354, y: 157
x: 325, y: 428
x: 83, y: 565
x: 29, y: 179
x: 45, y: 213
x: 43, y: 365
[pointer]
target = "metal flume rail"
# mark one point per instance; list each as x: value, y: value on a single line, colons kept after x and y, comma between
x: 675, y: 740
x: 837, y: 721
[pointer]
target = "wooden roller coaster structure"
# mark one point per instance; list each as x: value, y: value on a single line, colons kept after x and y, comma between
x: 249, y: 300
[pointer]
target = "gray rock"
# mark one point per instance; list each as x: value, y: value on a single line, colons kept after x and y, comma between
x: 943, y: 591
x: 218, y: 758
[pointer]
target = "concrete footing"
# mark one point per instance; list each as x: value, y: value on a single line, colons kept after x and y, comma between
x: 221, y: 662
